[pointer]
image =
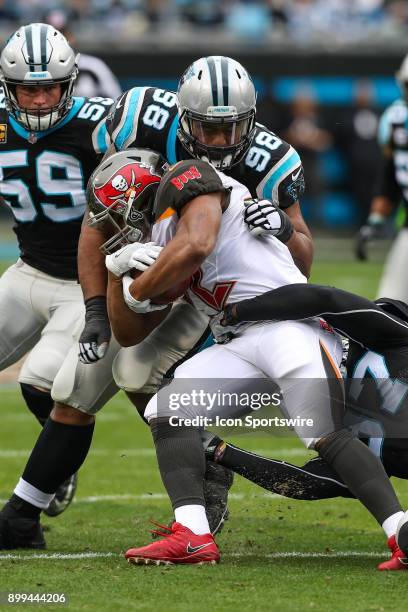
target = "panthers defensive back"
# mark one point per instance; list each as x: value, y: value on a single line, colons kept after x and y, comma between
x: 50, y: 142
x: 376, y: 365
x: 391, y: 191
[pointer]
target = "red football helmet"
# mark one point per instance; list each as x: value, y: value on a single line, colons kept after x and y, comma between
x: 121, y: 193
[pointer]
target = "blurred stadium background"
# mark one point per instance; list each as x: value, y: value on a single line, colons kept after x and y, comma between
x: 324, y: 71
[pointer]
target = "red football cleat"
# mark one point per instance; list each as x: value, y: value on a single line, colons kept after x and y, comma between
x: 179, y: 545
x: 398, y: 560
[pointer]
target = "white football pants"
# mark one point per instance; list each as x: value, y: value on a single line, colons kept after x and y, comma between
x: 41, y: 314
x: 301, y: 357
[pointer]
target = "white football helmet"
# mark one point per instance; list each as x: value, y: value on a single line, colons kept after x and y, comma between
x: 217, y: 105
x: 37, y: 54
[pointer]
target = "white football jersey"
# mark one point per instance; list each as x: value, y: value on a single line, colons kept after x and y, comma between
x: 241, y: 265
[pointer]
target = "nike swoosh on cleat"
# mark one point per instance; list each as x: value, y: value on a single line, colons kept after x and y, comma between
x: 192, y: 549
x: 296, y: 174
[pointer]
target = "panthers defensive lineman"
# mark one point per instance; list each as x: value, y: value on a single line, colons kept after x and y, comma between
x: 212, y: 116
x: 199, y: 220
x: 392, y: 189
x: 50, y: 142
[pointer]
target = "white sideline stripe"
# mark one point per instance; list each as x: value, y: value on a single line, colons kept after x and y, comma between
x: 278, y: 555
x: 147, y: 452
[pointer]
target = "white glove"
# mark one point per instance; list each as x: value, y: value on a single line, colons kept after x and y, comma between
x: 133, y: 256
x: 136, y: 305
x: 263, y: 217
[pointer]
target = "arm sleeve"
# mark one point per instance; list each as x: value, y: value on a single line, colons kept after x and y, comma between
x: 354, y: 316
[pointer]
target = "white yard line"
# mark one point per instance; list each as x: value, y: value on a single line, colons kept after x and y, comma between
x: 277, y: 555
x: 147, y: 452
x: 94, y: 499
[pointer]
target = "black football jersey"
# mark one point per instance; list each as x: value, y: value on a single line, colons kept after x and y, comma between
x: 377, y: 358
x: 377, y: 396
x: 148, y: 117
x: 43, y: 178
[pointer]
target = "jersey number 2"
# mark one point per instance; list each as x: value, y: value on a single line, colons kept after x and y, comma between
x: 217, y: 297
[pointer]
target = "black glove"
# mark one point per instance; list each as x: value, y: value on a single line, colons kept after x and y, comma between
x: 96, y: 334
x: 263, y: 217
x: 229, y: 315
x: 372, y: 230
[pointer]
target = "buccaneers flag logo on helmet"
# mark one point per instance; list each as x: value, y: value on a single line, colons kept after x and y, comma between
x: 127, y: 182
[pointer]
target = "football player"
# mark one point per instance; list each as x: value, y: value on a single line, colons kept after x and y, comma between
x: 198, y: 216
x: 50, y: 142
x: 377, y: 391
x: 213, y: 115
x: 391, y: 191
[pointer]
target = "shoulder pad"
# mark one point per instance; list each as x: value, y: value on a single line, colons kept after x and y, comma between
x: 184, y: 182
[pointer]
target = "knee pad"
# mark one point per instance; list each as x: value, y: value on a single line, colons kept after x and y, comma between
x: 133, y: 367
x: 39, y: 402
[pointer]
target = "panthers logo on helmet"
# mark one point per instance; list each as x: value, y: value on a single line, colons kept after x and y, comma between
x: 125, y: 184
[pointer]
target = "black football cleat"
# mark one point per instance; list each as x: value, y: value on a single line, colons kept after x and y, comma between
x: 63, y: 497
x: 217, y: 482
x: 20, y: 532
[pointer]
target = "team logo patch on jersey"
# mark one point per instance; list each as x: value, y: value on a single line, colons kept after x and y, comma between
x: 182, y: 179
x: 123, y: 184
x: 3, y: 133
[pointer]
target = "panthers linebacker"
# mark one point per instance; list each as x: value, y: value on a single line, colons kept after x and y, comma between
x: 392, y: 189
x: 50, y: 142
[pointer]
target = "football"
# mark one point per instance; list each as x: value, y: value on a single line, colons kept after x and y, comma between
x: 171, y: 294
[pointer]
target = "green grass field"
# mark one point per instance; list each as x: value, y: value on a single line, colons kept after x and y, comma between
x: 277, y: 554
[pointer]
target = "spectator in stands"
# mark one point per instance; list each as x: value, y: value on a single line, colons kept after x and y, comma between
x: 305, y: 132
x: 356, y: 135
x: 95, y: 78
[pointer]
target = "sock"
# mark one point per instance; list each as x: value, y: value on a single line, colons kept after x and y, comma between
x: 39, y: 402
x: 361, y: 471
x: 194, y: 517
x: 181, y: 460
x: 391, y: 523
x: 58, y: 453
